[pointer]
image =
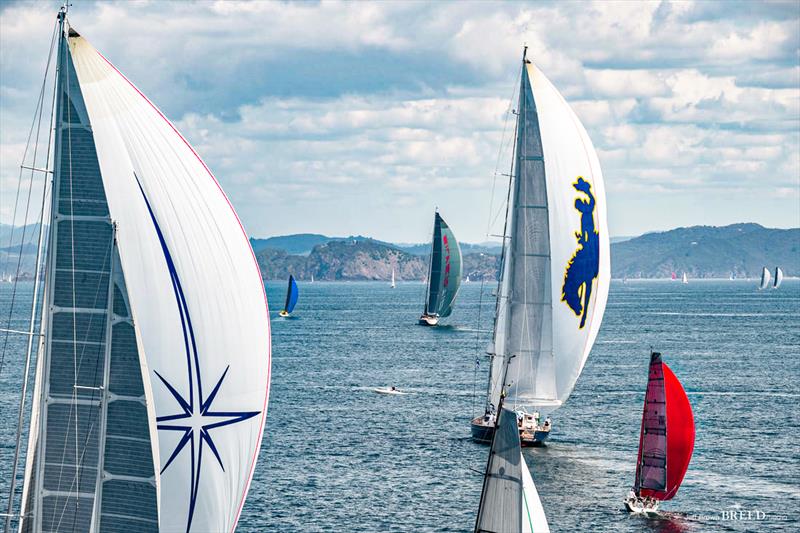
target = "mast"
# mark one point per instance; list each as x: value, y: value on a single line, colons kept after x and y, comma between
x: 430, y: 263
x: 503, y: 250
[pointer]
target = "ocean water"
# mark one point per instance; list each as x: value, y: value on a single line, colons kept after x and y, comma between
x: 338, y: 457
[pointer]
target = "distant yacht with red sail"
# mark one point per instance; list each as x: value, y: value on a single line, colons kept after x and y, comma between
x: 666, y: 441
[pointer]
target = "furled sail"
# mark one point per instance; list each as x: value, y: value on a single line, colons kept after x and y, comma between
x: 666, y: 441
x: 445, y: 270
x: 765, y: 277
x: 291, y: 295
x: 509, y: 500
x: 156, y: 351
x: 556, y: 267
x: 778, y: 278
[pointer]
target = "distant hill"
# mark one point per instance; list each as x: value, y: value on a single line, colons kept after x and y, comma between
x: 343, y: 260
x: 701, y: 251
x: 303, y: 243
x: 708, y: 252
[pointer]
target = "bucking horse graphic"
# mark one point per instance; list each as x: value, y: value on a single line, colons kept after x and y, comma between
x: 584, y: 265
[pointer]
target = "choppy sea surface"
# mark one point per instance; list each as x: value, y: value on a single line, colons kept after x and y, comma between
x: 339, y: 457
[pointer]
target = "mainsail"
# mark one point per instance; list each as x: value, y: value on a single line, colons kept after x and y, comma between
x: 556, y: 269
x: 292, y: 293
x: 778, y: 277
x: 444, y: 277
x: 765, y: 277
x: 509, y: 501
x: 155, y: 347
x: 666, y: 441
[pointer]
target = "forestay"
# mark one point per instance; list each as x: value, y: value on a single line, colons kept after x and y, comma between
x: 152, y: 385
x: 556, y: 270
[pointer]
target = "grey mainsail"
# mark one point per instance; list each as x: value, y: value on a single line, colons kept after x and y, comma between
x: 524, y: 324
x: 89, y: 421
x: 500, y: 509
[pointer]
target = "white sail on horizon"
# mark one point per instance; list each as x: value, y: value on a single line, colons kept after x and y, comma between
x: 778, y: 278
x: 765, y: 277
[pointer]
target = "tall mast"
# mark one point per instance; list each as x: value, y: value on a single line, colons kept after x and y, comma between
x: 506, y: 238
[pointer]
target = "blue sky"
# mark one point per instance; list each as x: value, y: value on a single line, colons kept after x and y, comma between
x: 359, y: 118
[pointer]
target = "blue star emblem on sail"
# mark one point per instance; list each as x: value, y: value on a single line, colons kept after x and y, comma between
x: 196, y: 418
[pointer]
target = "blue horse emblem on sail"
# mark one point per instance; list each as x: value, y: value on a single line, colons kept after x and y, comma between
x: 583, y: 267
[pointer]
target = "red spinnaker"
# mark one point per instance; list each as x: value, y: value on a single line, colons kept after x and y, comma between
x: 667, y: 438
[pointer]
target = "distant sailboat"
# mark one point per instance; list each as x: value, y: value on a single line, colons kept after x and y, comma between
x: 509, y: 500
x: 444, y: 273
x: 292, y: 292
x: 778, y: 278
x: 393, y: 285
x: 154, y: 347
x: 765, y: 277
x: 555, y: 264
x: 674, y: 276
x: 466, y: 280
x: 312, y: 278
x: 666, y: 441
x: 685, y: 278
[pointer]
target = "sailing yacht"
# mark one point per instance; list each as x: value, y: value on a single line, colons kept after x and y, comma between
x: 444, y: 274
x: 685, y: 279
x: 555, y: 263
x: 666, y: 441
x: 153, y: 359
x: 393, y: 284
x: 778, y: 278
x: 292, y: 292
x: 765, y: 277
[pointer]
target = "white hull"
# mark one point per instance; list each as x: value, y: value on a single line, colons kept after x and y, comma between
x: 386, y: 390
x: 636, y: 506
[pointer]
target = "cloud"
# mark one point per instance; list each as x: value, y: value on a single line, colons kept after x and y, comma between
x: 359, y: 118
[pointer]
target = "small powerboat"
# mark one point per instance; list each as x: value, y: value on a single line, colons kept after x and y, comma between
x: 389, y: 390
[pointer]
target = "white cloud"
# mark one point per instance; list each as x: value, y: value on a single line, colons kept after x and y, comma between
x: 677, y: 97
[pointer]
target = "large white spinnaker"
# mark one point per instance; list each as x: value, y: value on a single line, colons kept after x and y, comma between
x: 196, y: 296
x: 557, y: 261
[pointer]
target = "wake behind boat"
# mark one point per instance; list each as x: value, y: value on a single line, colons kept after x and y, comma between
x: 555, y: 265
x: 666, y: 441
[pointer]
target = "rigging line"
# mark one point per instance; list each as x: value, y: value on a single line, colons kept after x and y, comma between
x: 36, y: 123
x: 499, y: 154
x: 32, y: 322
x: 490, y: 387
